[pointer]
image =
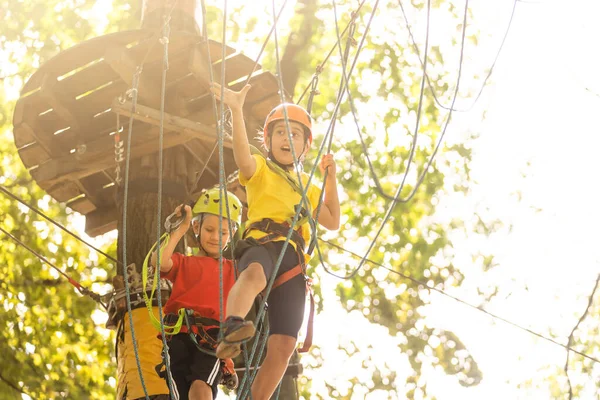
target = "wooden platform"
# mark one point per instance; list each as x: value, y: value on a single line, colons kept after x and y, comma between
x: 66, y: 118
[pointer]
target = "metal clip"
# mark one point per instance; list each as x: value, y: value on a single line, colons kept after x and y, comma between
x: 171, y: 226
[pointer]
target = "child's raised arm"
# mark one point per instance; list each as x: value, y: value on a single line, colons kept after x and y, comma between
x: 241, y: 147
x: 329, y: 216
x: 165, y: 260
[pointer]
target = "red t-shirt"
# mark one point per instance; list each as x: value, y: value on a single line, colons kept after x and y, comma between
x: 196, y: 284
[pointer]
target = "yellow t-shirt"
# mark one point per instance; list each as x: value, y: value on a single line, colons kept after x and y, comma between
x: 271, y: 196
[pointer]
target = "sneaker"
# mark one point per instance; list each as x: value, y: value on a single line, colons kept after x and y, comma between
x: 236, y: 332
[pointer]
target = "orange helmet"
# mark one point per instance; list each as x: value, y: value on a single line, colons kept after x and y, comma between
x: 294, y: 113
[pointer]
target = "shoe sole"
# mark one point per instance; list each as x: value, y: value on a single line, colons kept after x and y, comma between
x: 228, y: 348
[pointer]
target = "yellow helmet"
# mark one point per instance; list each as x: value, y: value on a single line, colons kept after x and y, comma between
x: 209, y: 203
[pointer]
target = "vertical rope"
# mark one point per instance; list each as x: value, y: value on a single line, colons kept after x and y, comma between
x: 133, y: 92
x: 164, y: 40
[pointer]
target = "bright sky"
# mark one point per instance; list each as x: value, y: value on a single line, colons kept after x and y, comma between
x: 540, y: 121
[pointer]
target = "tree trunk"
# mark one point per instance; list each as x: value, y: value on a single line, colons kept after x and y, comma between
x: 293, y: 60
x: 182, y: 15
x: 142, y: 207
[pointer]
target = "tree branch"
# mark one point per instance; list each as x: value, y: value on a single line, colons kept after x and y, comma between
x: 12, y: 385
x: 9, y: 76
x: 570, y: 340
x: 298, y: 43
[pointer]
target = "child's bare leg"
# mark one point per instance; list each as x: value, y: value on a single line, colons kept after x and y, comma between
x: 200, y: 391
x: 249, y: 284
x: 241, y: 296
x: 279, y: 350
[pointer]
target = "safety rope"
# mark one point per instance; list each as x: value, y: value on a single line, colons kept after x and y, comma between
x: 570, y: 338
x: 219, y: 144
x: 52, y: 221
x: 303, y: 194
x: 264, y: 45
x: 82, y: 289
x: 252, y: 370
x: 344, y: 55
x: 278, y: 390
x: 250, y: 75
x: 450, y: 109
x: 320, y: 67
x: 158, y: 323
x: 490, y: 69
x: 345, y: 83
x: 164, y: 40
x: 397, y: 198
x: 219, y: 113
x: 478, y: 308
x: 222, y: 189
x: 133, y: 94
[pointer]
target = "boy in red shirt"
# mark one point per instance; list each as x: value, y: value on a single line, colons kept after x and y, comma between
x: 196, y: 287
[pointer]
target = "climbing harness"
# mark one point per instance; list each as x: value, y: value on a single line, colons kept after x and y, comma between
x: 274, y: 231
x: 202, y: 332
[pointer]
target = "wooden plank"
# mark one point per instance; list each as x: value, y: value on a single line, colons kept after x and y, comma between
x: 63, y: 191
x: 151, y: 51
x: 261, y: 109
x: 32, y: 155
x: 200, y: 151
x: 200, y: 67
x: 264, y: 84
x: 87, y: 107
x: 92, y: 51
x: 187, y: 86
x: 93, y: 186
x: 42, y: 140
x: 125, y: 66
x: 22, y: 137
x: 88, y: 78
x: 101, y: 221
x: 50, y: 123
x: 106, y: 196
x: 75, y: 167
x: 236, y: 66
x: 190, y: 128
x: 28, y: 107
x: 100, y: 126
x: 178, y: 64
x: 82, y: 205
x: 62, y: 107
x: 82, y: 54
x: 100, y: 100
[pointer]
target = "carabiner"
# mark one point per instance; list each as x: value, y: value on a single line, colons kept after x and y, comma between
x: 171, y: 226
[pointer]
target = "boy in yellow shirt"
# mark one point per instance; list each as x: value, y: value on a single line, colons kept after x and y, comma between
x: 272, y: 205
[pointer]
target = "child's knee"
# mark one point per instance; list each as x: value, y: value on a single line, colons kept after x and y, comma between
x: 282, y: 346
x: 254, y: 273
x: 200, y: 390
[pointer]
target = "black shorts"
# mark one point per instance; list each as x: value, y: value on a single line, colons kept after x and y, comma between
x: 286, y: 302
x: 189, y: 364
